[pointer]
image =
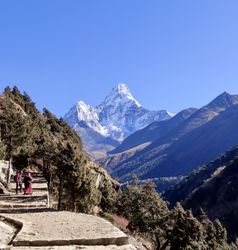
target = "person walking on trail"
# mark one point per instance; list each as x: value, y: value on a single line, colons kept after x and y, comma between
x: 28, y: 184
x: 18, y: 181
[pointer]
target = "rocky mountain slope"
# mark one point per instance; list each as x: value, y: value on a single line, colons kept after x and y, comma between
x: 213, y: 188
x: 105, y: 126
x: 178, y: 147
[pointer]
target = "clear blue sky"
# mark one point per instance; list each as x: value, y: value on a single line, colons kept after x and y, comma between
x: 173, y: 54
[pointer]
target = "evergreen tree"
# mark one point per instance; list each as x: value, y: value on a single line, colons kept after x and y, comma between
x: 234, y: 245
x: 16, y: 92
x: 208, y: 229
x: 65, y: 173
x: 143, y: 206
x: 14, y: 130
x: 88, y: 196
x: 48, y: 143
x: 7, y: 91
x: 109, y: 196
x: 2, y: 150
x: 220, y: 236
x: 187, y: 231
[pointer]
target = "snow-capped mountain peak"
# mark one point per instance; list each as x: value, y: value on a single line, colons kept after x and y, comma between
x: 119, y: 95
x: 85, y: 112
x: 118, y: 116
x: 122, y: 89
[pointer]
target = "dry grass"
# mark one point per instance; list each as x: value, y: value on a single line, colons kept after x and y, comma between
x: 120, y: 222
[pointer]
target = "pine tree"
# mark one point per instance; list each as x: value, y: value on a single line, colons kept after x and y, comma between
x: 7, y: 91
x: 88, y: 196
x: 14, y: 130
x: 46, y: 142
x: 208, y: 229
x: 2, y: 150
x: 143, y: 206
x: 220, y: 236
x: 186, y: 232
x: 109, y: 196
x: 64, y: 171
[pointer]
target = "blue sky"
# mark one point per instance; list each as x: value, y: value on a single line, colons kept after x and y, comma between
x: 172, y: 54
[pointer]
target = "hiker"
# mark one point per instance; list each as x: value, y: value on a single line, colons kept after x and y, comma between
x: 28, y: 183
x: 18, y: 181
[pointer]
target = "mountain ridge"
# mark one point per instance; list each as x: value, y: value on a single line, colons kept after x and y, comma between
x: 118, y: 116
x: 177, y: 151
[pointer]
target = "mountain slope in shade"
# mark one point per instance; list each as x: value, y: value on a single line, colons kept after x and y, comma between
x: 219, y: 198
x: 205, y: 134
x: 152, y: 132
x: 214, y: 188
x: 103, y: 127
x: 142, y: 139
x: 199, y: 177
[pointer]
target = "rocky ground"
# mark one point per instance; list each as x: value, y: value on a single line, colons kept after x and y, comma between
x: 74, y: 247
x: 26, y: 222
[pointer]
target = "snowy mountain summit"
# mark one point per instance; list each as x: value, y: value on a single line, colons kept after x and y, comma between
x: 118, y: 116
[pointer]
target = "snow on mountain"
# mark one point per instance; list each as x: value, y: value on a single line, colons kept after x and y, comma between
x: 118, y: 116
x: 121, y: 94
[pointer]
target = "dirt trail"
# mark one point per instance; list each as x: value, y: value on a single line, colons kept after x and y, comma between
x: 26, y: 222
x: 39, y: 198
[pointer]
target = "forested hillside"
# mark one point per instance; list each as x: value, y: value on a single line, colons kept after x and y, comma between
x: 170, y: 229
x: 34, y: 140
x: 214, y: 189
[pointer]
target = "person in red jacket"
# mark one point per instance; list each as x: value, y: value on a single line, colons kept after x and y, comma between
x: 28, y: 184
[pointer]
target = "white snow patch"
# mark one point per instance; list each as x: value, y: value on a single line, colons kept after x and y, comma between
x: 118, y: 116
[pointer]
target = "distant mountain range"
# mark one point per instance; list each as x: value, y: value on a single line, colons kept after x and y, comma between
x: 176, y: 146
x: 104, y: 127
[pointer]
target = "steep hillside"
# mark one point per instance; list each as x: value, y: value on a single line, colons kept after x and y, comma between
x: 199, y: 176
x: 154, y: 131
x: 103, y: 127
x: 219, y: 197
x: 214, y: 189
x: 198, y: 139
x: 36, y: 141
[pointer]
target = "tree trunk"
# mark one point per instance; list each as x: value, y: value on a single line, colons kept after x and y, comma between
x: 84, y: 174
x: 9, y: 170
x: 60, y: 192
x: 10, y: 160
x: 164, y: 246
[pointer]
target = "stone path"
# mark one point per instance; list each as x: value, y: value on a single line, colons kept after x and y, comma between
x: 6, y: 232
x: 75, y: 247
x: 27, y: 223
x: 39, y: 199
